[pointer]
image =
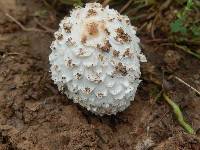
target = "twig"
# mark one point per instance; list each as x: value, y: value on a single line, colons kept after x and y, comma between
x: 44, y: 27
x: 180, y: 80
x: 187, y: 50
x: 155, y: 40
x: 158, y: 16
x: 158, y: 95
x: 176, y: 110
x: 47, y: 4
x: 106, y: 3
x: 184, y: 48
x: 23, y: 27
x: 165, y: 5
x: 98, y: 133
x: 188, y: 41
x: 153, y: 24
x: 125, y: 6
x: 179, y: 115
x: 142, y: 26
x: 14, y: 53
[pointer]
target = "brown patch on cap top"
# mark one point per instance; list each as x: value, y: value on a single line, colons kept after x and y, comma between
x: 92, y: 29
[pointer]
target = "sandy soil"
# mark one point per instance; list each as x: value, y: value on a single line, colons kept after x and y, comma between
x: 35, y: 116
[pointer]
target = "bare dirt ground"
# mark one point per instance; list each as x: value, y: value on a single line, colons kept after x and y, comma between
x: 35, y: 116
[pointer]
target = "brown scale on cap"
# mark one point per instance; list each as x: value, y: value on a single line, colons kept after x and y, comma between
x: 110, y: 20
x: 101, y: 58
x: 116, y: 53
x: 120, y: 19
x: 83, y: 39
x: 100, y: 95
x: 121, y: 69
x: 97, y: 80
x: 53, y: 47
x: 59, y: 36
x: 63, y: 78
x: 69, y: 42
x: 91, y: 12
x: 105, y: 48
x: 81, y: 52
x: 107, y: 32
x: 55, y: 67
x: 127, y: 53
x: 87, y: 90
x: 67, y: 27
x: 122, y: 36
x: 69, y: 63
x: 78, y: 76
x: 128, y: 22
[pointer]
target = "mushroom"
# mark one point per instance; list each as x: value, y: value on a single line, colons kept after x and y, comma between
x: 95, y: 59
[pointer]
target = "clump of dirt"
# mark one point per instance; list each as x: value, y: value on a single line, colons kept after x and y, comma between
x: 34, y: 115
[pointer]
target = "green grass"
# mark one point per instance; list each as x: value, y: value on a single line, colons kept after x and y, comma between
x: 72, y: 2
x: 184, y: 24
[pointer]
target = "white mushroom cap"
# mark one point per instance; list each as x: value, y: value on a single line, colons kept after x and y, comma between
x: 95, y: 59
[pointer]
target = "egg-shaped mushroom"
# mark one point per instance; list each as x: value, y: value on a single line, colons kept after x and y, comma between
x: 95, y: 59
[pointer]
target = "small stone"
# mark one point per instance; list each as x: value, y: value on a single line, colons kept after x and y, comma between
x: 12, y: 87
x: 172, y: 58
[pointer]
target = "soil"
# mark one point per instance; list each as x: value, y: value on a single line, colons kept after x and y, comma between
x: 35, y: 116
